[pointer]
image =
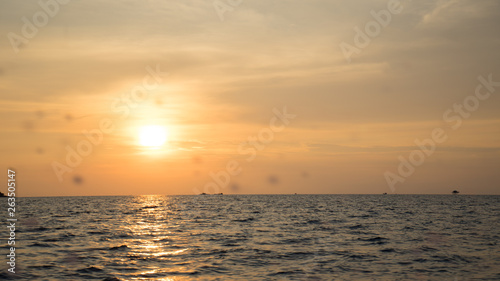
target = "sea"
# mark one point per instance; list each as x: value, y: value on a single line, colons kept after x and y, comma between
x: 255, y: 237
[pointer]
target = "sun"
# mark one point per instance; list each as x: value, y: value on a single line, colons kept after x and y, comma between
x: 152, y: 136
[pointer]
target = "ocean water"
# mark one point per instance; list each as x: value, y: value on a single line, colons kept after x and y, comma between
x: 257, y: 237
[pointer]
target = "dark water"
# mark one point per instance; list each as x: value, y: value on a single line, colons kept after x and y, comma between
x: 257, y: 237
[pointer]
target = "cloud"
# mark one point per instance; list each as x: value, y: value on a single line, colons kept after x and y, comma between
x: 454, y: 12
x: 225, y: 77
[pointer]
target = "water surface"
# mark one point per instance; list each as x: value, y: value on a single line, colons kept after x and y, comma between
x: 258, y: 237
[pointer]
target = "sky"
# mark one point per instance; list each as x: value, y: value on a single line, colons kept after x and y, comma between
x: 250, y: 97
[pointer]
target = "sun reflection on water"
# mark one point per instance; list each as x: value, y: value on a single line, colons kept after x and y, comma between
x: 151, y: 236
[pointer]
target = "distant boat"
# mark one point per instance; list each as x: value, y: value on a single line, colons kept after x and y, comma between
x: 385, y: 193
x: 212, y: 194
x: 455, y: 192
x: 2, y: 195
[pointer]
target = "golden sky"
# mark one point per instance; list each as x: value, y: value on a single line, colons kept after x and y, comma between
x: 249, y: 96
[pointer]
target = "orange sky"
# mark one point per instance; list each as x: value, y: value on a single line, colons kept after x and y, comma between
x: 219, y: 86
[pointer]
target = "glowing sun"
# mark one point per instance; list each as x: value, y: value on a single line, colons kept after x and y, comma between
x: 152, y: 136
